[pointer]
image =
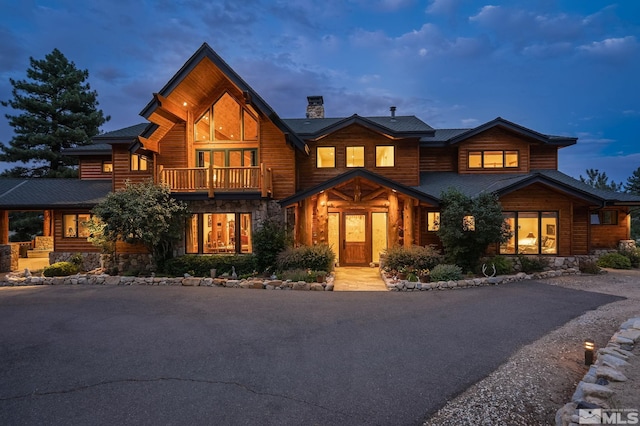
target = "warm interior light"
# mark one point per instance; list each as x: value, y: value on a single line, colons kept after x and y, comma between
x: 589, y: 345
x: 530, y: 235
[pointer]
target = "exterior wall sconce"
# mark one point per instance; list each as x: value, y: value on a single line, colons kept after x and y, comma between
x: 589, y: 346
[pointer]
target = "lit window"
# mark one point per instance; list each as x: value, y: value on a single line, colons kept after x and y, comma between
x: 203, y: 128
x: 532, y: 233
x: 492, y: 159
x: 226, y: 120
x: 433, y: 221
x: 326, y: 156
x: 219, y: 233
x: 385, y: 156
x: 107, y: 167
x: 76, y: 225
x: 139, y: 162
x: 355, y: 156
x: 468, y: 223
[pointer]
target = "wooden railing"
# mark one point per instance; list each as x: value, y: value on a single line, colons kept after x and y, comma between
x: 218, y: 179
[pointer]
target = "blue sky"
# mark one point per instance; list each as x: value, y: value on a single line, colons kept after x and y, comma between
x: 558, y: 67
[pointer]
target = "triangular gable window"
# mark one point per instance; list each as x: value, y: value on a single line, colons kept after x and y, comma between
x: 226, y: 120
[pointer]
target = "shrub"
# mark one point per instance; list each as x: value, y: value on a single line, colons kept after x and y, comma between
x: 614, y: 260
x: 414, y: 257
x: 532, y: 264
x: 446, y: 272
x: 633, y: 255
x: 504, y: 265
x: 589, y: 267
x: 319, y: 257
x: 200, y: 266
x: 60, y: 269
x: 268, y: 240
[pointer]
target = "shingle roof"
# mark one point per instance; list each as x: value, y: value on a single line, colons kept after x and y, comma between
x: 44, y: 193
x: 130, y: 132
x: 92, y: 149
x: 435, y: 183
x: 403, y: 125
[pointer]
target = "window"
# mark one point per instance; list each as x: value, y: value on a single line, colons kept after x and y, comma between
x: 355, y: 156
x: 385, y: 156
x: 532, y: 233
x: 227, y: 157
x: 433, y: 221
x: 75, y: 225
x: 226, y: 120
x: 139, y: 162
x: 604, y: 217
x: 468, y: 223
x: 326, y: 156
x: 492, y: 159
x: 107, y: 167
x: 218, y: 233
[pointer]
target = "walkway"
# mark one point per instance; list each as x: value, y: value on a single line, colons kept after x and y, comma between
x: 355, y: 278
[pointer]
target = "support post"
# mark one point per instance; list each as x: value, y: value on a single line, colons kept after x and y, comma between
x: 394, y: 218
x: 408, y: 222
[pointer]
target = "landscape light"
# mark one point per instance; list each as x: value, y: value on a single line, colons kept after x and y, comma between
x: 589, y: 345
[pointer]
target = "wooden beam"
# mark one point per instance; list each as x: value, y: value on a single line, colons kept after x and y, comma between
x: 357, y: 206
x: 172, y: 110
x: 47, y: 224
x: 4, y: 227
x: 408, y: 222
x: 374, y: 194
x: 148, y: 144
x: 322, y: 218
x: 394, y: 219
x: 340, y: 194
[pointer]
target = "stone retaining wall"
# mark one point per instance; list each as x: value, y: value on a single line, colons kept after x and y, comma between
x: 137, y: 263
x: 592, y: 392
x: 9, y: 254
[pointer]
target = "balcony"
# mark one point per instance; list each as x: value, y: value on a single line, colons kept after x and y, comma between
x: 211, y: 179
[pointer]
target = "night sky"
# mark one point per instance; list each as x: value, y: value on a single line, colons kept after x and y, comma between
x: 566, y: 68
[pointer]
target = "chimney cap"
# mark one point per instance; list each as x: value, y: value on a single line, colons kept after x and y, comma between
x: 315, y: 100
x: 393, y: 112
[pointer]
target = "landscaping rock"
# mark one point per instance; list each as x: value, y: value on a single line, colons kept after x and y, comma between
x: 191, y: 282
x: 611, y: 374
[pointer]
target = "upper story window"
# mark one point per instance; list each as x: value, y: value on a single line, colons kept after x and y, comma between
x: 226, y: 120
x: 326, y: 156
x: 139, y: 162
x: 493, y: 159
x: 385, y: 156
x: 107, y: 167
x: 604, y: 217
x: 355, y: 156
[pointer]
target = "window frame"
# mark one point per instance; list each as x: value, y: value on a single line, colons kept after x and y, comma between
x: 605, y: 217
x: 482, y: 155
x: 318, y: 148
x: 346, y: 156
x: 106, y: 163
x: 542, y: 236
x: 242, y: 115
x: 433, y: 221
x: 135, y: 160
x: 210, y: 152
x: 77, y: 225
x: 202, y: 240
x: 393, y: 153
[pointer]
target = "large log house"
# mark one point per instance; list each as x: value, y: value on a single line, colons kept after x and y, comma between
x: 360, y: 184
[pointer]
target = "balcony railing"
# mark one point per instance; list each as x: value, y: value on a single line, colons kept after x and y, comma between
x: 218, y: 179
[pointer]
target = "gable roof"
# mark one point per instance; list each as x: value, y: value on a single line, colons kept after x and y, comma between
x: 365, y: 174
x: 447, y: 137
x: 43, y: 193
x: 251, y: 96
x: 102, y: 143
x: 435, y: 183
x: 396, y: 127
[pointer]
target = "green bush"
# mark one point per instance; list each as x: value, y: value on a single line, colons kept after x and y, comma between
x: 60, y: 269
x: 633, y: 255
x: 532, y: 264
x: 319, y: 257
x: 413, y: 257
x: 589, y: 267
x: 200, y: 266
x: 446, y: 272
x: 615, y: 261
x: 268, y: 240
x: 504, y: 265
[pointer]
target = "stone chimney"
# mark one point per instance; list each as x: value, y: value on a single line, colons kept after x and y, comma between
x: 315, y: 108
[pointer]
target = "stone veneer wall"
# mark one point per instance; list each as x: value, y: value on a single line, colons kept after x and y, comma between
x: 126, y: 262
x: 43, y: 243
x: 9, y: 254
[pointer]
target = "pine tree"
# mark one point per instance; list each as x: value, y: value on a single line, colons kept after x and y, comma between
x: 633, y: 183
x: 600, y: 180
x: 59, y: 111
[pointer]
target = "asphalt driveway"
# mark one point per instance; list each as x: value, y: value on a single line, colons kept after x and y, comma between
x: 187, y: 355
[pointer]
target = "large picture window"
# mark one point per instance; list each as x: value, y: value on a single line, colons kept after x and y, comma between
x: 219, y: 233
x: 75, y: 225
x: 532, y: 233
x: 492, y: 159
x: 226, y: 120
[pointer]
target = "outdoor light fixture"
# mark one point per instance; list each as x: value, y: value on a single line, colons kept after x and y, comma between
x: 589, y: 345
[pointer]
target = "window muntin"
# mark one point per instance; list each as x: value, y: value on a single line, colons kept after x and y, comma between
x: 492, y: 159
x: 433, y: 221
x: 532, y: 233
x: 355, y: 156
x: 226, y: 120
x: 107, y: 166
x: 139, y: 162
x: 75, y: 225
x: 325, y: 157
x: 385, y: 156
x: 218, y: 233
x: 242, y: 157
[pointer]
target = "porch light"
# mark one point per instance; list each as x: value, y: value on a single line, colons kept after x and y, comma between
x: 589, y: 346
x: 184, y: 103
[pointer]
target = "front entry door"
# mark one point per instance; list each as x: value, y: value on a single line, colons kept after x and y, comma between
x: 354, y: 247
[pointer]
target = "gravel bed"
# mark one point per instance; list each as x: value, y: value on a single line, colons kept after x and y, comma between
x: 541, y: 377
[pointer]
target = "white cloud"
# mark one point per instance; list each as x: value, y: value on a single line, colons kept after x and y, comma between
x: 443, y: 7
x: 612, y: 47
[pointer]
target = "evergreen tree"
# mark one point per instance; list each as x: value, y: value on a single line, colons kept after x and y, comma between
x: 600, y: 180
x: 633, y: 183
x: 59, y: 110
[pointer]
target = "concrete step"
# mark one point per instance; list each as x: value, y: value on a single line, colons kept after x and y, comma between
x: 38, y: 253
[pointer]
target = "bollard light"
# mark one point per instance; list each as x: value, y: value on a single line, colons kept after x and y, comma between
x: 589, y: 345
